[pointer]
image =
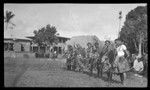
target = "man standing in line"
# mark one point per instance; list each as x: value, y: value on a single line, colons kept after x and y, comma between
x: 69, y: 55
x: 120, y: 61
x: 103, y: 55
x: 89, y: 56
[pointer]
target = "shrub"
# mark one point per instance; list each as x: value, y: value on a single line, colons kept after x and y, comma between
x: 26, y: 56
x: 47, y: 55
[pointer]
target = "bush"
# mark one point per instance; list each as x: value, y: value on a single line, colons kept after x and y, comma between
x: 39, y: 55
x: 26, y: 56
x: 36, y: 55
x: 47, y: 55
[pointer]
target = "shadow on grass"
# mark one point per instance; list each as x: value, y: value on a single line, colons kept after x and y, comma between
x: 104, y: 77
x: 24, y: 68
x: 17, y: 65
x: 95, y: 76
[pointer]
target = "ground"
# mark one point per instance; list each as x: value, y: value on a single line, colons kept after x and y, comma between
x: 32, y: 72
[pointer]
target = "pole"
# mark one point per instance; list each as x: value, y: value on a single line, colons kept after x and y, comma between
x: 120, y: 17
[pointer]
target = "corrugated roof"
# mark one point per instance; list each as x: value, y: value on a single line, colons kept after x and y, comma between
x: 83, y: 40
x: 32, y: 37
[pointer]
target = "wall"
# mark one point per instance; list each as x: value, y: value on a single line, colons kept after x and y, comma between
x: 26, y: 45
x: 17, y: 47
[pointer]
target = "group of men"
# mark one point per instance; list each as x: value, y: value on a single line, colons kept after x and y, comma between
x: 112, y: 57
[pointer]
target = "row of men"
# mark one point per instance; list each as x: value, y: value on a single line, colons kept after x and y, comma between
x: 92, y: 58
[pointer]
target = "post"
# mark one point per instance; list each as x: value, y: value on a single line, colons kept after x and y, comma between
x: 120, y: 17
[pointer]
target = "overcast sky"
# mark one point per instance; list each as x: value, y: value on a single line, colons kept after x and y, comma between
x: 69, y: 19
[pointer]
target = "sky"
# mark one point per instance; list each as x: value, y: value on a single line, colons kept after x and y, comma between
x: 70, y: 20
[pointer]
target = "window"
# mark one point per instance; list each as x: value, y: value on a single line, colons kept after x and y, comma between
x: 60, y: 50
x: 35, y: 49
x: 42, y: 49
x: 11, y: 46
x: 5, y: 46
x: 22, y: 47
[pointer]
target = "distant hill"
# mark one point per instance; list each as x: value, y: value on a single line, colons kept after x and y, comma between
x: 83, y: 40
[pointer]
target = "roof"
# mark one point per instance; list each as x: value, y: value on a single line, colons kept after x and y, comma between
x: 83, y: 40
x: 32, y: 37
x: 63, y: 37
x: 19, y: 39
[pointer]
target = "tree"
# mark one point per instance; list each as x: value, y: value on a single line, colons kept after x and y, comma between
x: 46, y: 36
x: 134, y: 31
x: 8, y: 17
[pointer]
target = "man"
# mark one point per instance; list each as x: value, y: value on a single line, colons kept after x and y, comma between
x: 69, y: 55
x: 96, y: 56
x: 89, y: 56
x: 121, y: 51
x: 105, y: 49
x: 103, y: 56
x: 138, y: 66
x: 120, y: 62
x: 80, y: 61
x: 74, y: 57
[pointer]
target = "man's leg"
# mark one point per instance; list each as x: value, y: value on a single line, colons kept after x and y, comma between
x: 124, y: 75
x: 91, y: 66
x: 74, y: 65
x: 98, y: 67
x: 69, y: 64
x: 116, y: 60
x: 122, y: 78
x: 101, y: 69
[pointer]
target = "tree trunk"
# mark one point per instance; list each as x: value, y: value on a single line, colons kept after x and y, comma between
x: 136, y: 47
x: 140, y: 48
x: 6, y: 26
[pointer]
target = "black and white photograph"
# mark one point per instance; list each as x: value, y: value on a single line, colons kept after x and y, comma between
x: 75, y: 45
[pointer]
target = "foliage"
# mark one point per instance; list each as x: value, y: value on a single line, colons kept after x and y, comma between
x: 8, y: 17
x: 46, y: 36
x: 134, y: 30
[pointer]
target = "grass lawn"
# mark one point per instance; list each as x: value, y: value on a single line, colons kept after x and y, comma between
x: 32, y: 72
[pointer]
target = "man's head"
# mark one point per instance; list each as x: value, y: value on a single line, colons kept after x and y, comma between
x: 107, y: 42
x: 70, y: 47
x: 89, y: 44
x: 118, y: 42
x: 96, y: 44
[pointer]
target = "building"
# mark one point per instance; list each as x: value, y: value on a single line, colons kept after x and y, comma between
x: 82, y: 40
x: 59, y: 48
x: 27, y: 45
x: 17, y: 44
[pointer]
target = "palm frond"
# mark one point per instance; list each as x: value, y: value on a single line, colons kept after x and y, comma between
x: 9, y: 16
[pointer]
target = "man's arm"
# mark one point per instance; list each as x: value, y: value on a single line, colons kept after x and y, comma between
x: 127, y: 52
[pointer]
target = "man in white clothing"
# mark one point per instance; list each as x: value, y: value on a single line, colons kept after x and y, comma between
x: 121, y: 62
x: 121, y: 50
x: 138, y: 66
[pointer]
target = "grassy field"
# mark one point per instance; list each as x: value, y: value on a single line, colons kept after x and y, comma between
x: 32, y: 72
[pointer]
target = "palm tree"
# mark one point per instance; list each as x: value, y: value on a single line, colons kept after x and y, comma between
x: 7, y: 19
